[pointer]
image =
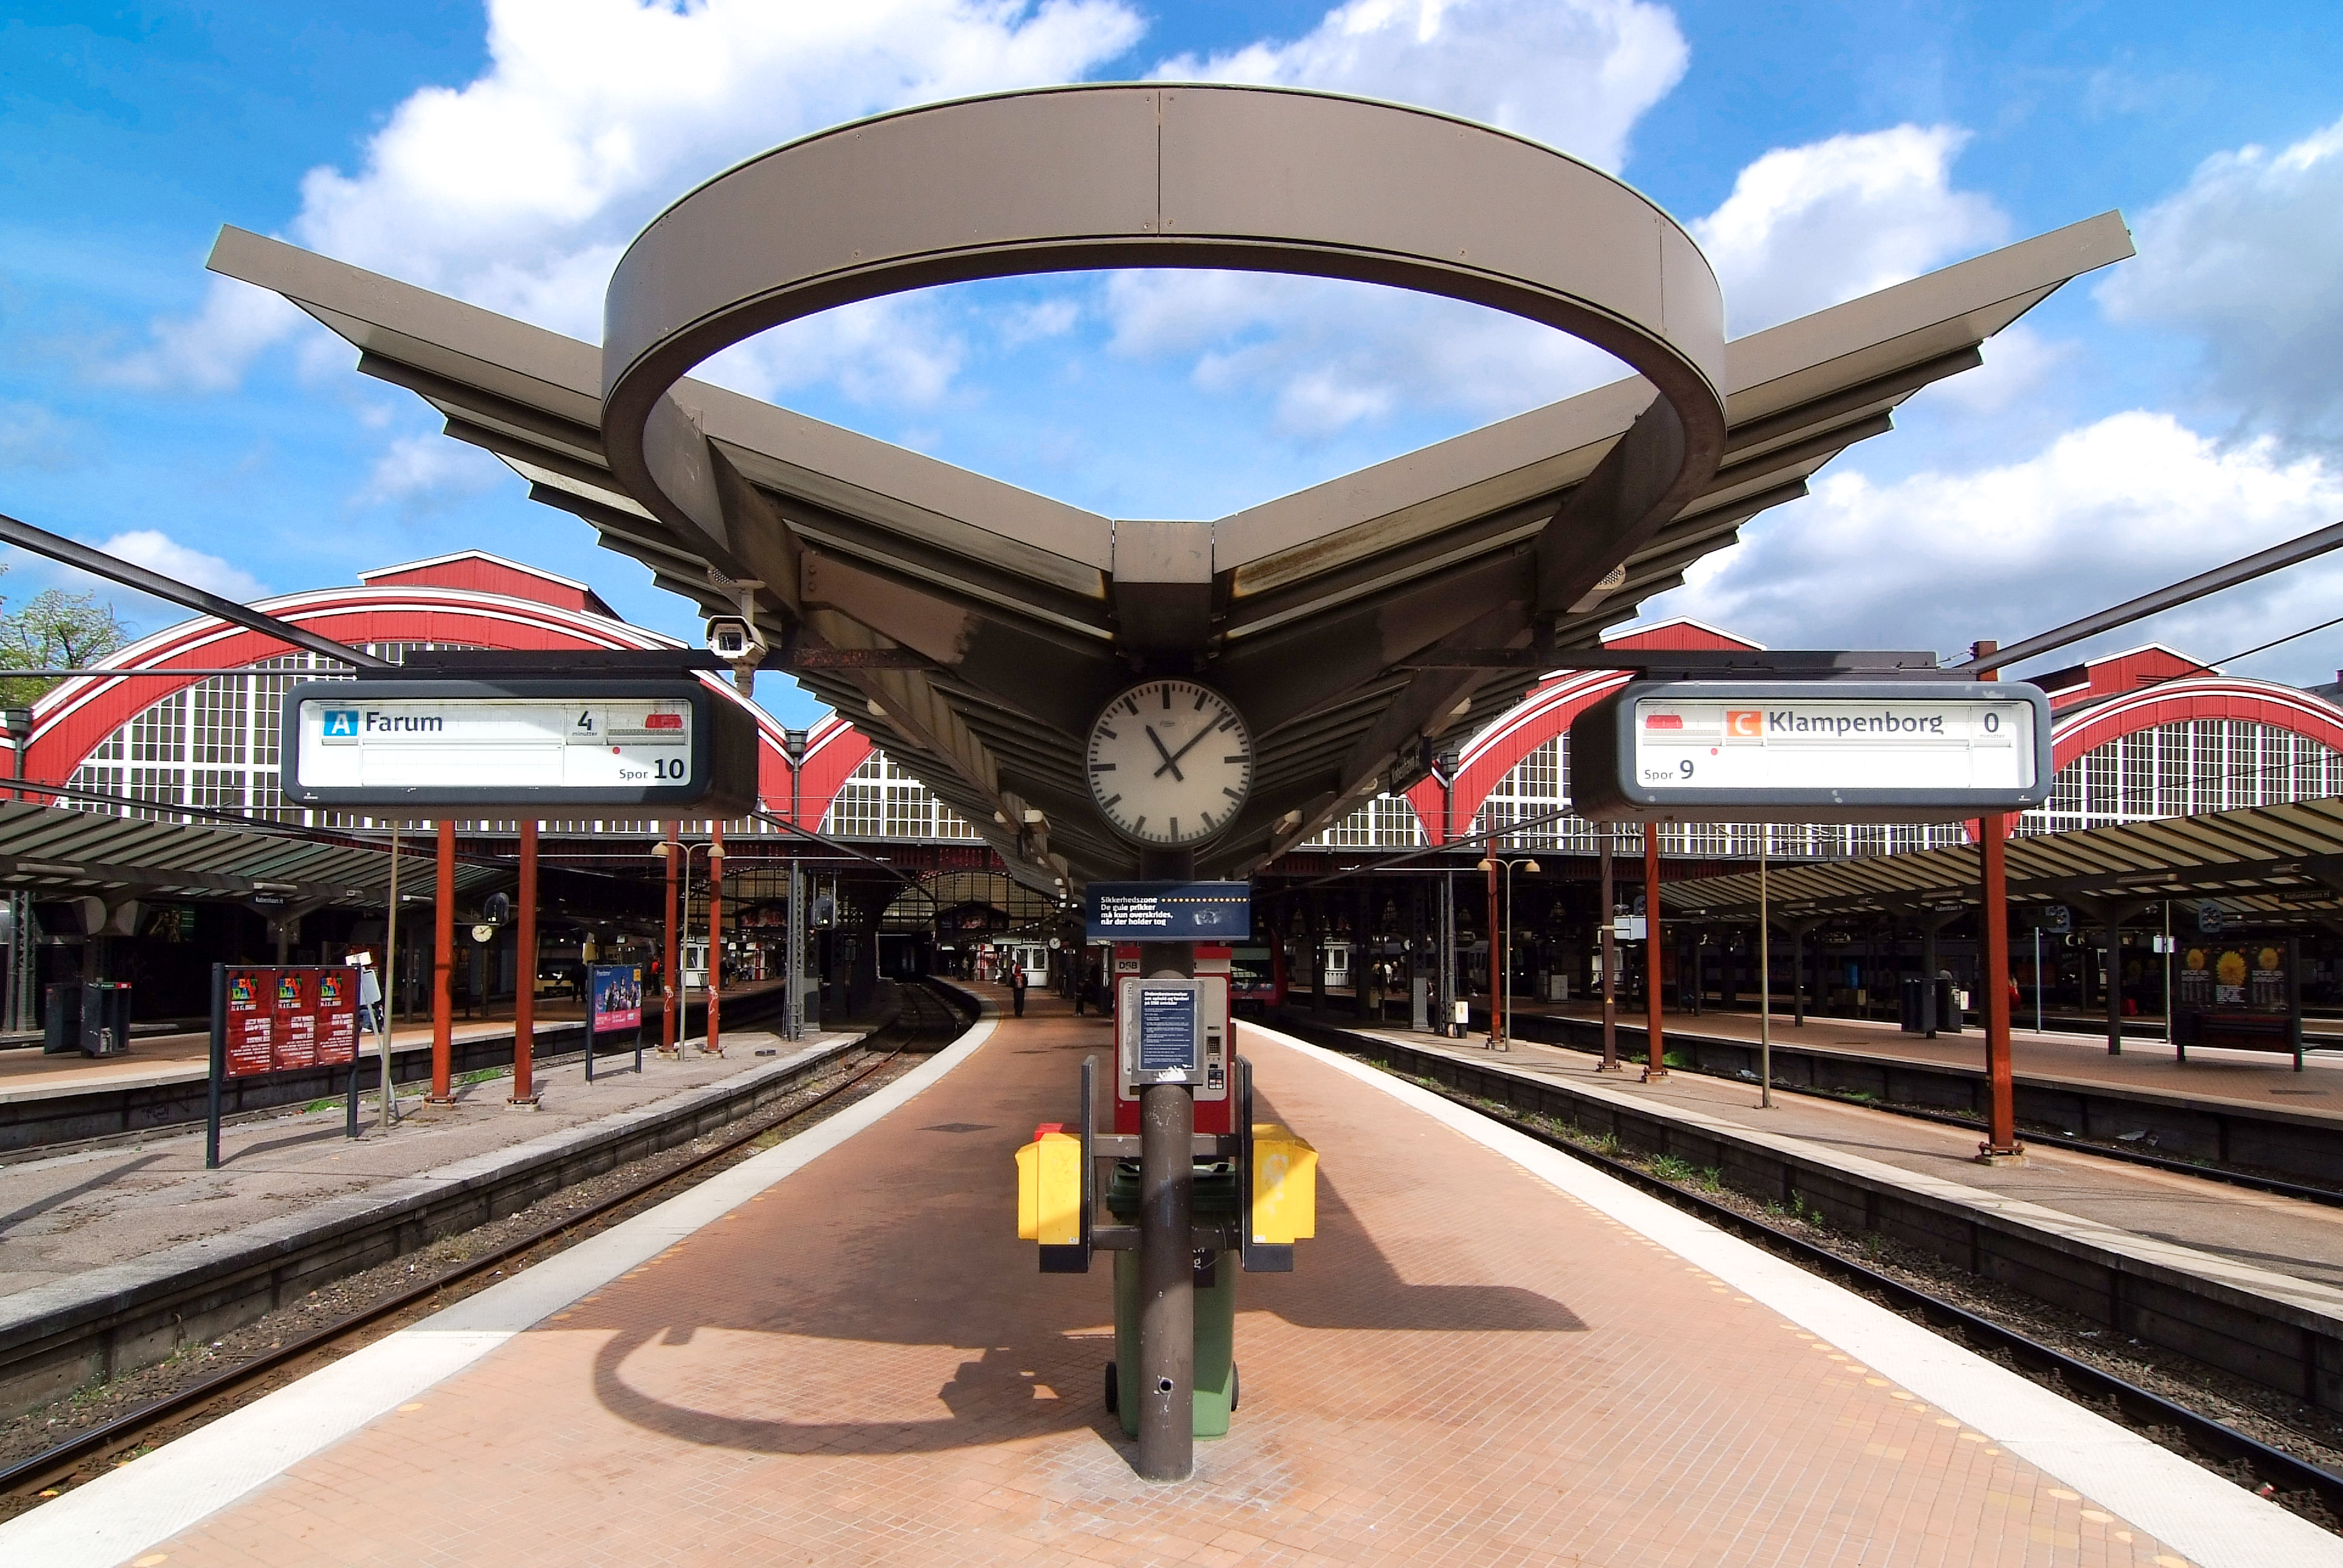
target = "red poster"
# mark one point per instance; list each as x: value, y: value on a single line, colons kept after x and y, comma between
x: 251, y: 1021
x: 297, y: 1018
x: 338, y: 1017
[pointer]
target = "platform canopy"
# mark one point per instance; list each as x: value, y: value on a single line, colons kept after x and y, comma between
x: 2274, y: 864
x: 53, y: 854
x: 974, y: 629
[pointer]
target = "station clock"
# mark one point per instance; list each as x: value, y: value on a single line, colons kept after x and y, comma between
x: 1170, y: 762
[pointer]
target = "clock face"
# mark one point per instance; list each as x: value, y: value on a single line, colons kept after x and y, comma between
x: 1170, y: 762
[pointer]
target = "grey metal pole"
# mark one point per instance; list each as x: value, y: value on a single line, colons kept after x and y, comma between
x: 1166, y: 1388
x: 2115, y: 981
x: 389, y: 990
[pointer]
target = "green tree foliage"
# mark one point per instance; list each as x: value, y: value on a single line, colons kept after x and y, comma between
x: 54, y: 629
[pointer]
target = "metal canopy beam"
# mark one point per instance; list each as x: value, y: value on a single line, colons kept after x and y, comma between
x: 1349, y: 621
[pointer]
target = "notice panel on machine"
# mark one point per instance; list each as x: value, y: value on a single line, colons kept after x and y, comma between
x: 519, y: 742
x: 1811, y: 751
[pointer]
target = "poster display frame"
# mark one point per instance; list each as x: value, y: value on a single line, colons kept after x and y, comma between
x: 308, y: 999
x: 595, y: 1012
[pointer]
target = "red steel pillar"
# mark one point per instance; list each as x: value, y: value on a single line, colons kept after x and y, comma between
x: 1993, y: 831
x: 1657, y: 1066
x: 1496, y: 960
x: 443, y: 969
x: 669, y: 983
x: 525, y: 964
x: 715, y: 934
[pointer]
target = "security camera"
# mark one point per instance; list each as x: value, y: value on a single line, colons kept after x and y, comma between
x: 731, y: 638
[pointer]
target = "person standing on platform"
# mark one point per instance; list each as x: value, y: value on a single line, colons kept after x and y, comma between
x: 1017, y: 987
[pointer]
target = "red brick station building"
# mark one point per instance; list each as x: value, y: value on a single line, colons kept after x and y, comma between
x: 907, y: 883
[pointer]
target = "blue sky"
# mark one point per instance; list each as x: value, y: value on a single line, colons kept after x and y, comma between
x: 2173, y: 413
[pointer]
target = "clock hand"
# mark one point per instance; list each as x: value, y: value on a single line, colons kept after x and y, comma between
x: 1168, y: 760
x: 1171, y: 761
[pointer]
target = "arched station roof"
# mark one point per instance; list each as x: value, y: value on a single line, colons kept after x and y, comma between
x: 470, y: 598
x: 2093, y: 705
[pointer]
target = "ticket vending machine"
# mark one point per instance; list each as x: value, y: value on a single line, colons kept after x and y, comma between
x: 1154, y: 1024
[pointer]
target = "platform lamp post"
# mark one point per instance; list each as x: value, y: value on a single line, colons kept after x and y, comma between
x: 793, y: 743
x: 1501, y: 1001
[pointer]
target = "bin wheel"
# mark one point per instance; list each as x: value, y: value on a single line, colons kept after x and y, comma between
x: 1232, y: 1388
x: 1113, y: 1401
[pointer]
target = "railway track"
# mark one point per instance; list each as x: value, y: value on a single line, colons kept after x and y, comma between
x: 2146, y: 1411
x: 2050, y: 1137
x: 928, y: 1018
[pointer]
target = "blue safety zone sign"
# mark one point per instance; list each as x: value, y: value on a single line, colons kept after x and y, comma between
x: 1167, y: 1029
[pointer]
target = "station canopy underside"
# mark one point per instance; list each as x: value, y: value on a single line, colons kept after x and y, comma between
x: 992, y: 624
x: 2278, y: 864
x: 66, y: 854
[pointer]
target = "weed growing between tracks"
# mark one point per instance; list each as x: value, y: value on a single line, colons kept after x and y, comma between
x: 31, y: 1434
x: 2314, y: 1437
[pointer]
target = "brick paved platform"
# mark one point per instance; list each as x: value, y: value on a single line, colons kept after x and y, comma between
x: 1490, y: 1354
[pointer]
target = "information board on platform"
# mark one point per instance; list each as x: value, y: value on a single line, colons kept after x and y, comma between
x: 1822, y: 751
x: 1168, y: 912
x: 617, y: 997
x: 518, y: 743
x: 281, y: 1018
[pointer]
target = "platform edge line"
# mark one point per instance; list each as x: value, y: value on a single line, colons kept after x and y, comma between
x: 2213, y: 1521
x: 139, y: 1505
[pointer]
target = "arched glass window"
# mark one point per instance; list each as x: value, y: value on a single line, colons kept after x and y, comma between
x: 2182, y: 768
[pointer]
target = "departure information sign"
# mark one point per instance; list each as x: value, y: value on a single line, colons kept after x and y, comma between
x: 518, y: 743
x: 1811, y: 751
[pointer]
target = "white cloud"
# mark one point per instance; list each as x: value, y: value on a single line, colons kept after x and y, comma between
x: 1803, y: 228
x: 159, y: 552
x: 1024, y: 324
x: 1574, y: 74
x: 418, y: 473
x: 2104, y: 513
x: 1328, y: 354
x: 1812, y: 226
x: 2245, y: 258
x: 2018, y: 361
x: 519, y: 190
x: 208, y: 351
x: 898, y: 351
x: 33, y: 437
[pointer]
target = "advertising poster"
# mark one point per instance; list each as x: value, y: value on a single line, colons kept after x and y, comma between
x: 2246, y: 976
x: 251, y: 1021
x: 337, y: 1016
x: 297, y: 1018
x: 617, y: 993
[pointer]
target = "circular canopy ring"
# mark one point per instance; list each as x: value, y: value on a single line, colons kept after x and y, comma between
x: 1095, y: 177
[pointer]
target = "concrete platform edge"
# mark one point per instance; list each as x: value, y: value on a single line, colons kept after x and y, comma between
x: 2216, y: 1522
x: 57, y: 1337
x: 2281, y: 1332
x: 131, y: 1509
